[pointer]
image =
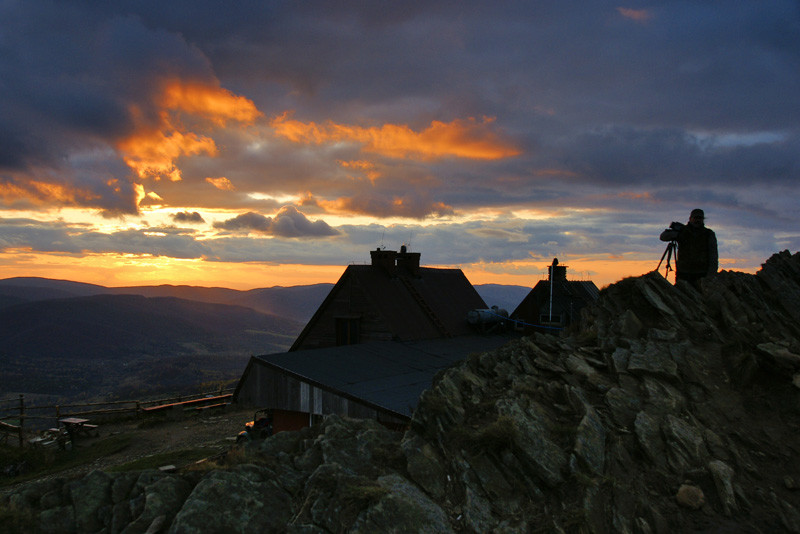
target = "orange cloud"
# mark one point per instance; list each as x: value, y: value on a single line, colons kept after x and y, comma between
x: 153, y: 148
x: 221, y: 183
x: 152, y: 153
x: 214, y: 103
x: 638, y: 15
x: 379, y: 206
x: 368, y: 168
x: 44, y: 192
x: 461, y: 138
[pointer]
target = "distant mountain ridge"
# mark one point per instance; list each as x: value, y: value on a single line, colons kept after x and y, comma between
x: 294, y: 302
x: 72, y: 338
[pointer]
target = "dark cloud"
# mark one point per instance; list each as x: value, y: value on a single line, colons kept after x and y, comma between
x: 289, y: 222
x: 73, y: 79
x: 625, y: 155
x: 246, y: 222
x: 642, y: 116
x: 188, y: 217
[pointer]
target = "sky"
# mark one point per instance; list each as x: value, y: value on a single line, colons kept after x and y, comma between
x: 260, y: 143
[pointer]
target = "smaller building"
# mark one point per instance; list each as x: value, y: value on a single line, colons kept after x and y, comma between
x: 554, y: 303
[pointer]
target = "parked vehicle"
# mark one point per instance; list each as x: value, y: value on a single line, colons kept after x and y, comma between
x: 259, y: 428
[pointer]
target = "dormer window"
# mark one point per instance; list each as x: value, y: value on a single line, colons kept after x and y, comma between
x: 348, y: 329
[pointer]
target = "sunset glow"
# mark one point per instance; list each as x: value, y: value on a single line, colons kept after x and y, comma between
x: 274, y: 145
x: 466, y: 138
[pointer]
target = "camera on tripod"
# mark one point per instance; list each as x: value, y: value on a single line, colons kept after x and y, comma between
x: 676, y: 225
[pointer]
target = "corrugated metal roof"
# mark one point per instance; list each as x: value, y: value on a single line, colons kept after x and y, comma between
x: 388, y: 374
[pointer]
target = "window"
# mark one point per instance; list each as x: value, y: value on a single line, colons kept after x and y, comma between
x: 348, y: 330
x: 547, y: 319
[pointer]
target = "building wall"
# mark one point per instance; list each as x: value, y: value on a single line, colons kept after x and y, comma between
x: 265, y: 387
x: 568, y: 299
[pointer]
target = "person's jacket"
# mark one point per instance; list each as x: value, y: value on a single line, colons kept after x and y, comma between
x: 697, y: 248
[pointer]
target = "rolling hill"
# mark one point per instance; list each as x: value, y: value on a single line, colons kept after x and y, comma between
x: 92, y: 345
x: 75, y: 339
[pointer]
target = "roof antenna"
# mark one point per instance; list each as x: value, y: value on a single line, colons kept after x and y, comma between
x: 383, y: 247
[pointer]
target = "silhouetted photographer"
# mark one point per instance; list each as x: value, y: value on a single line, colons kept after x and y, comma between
x: 697, y: 254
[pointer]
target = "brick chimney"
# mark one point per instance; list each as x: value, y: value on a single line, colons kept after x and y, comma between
x: 384, y: 259
x: 408, y: 261
x: 556, y: 272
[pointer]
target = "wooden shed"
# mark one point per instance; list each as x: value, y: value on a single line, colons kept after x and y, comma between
x: 554, y: 303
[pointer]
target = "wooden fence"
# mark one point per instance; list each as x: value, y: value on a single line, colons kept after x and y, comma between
x: 15, y: 413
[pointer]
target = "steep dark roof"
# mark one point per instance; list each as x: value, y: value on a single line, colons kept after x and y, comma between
x: 432, y: 303
x: 388, y: 375
x: 565, y: 294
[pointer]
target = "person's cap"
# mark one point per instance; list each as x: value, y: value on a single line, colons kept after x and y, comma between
x: 698, y: 213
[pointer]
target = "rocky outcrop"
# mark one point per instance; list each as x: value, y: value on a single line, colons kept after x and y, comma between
x: 668, y: 410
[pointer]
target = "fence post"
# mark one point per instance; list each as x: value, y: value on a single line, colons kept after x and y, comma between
x: 21, y: 418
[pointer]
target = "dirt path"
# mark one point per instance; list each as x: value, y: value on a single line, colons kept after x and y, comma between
x: 203, y: 429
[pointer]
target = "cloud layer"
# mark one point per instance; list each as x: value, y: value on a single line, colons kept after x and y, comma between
x: 485, y: 135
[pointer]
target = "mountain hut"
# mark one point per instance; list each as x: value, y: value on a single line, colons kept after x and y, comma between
x: 373, y: 346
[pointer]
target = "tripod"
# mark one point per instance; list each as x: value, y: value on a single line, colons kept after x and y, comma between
x: 671, y: 250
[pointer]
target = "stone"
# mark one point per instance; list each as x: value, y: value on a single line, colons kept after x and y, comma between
x: 723, y: 480
x: 656, y: 360
x: 88, y: 495
x: 477, y: 512
x: 590, y: 442
x: 261, y: 506
x: 403, y: 508
x: 121, y: 487
x: 686, y: 447
x: 661, y: 397
x: 659, y: 335
x: 653, y: 298
x: 780, y: 357
x: 690, y: 497
x: 533, y: 447
x: 547, y: 365
x: 424, y: 465
x: 620, y: 358
x: 648, y: 432
x: 623, y: 406
x: 164, y: 496
x: 629, y: 324
x: 493, y: 482
x: 60, y: 520
x: 578, y: 366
